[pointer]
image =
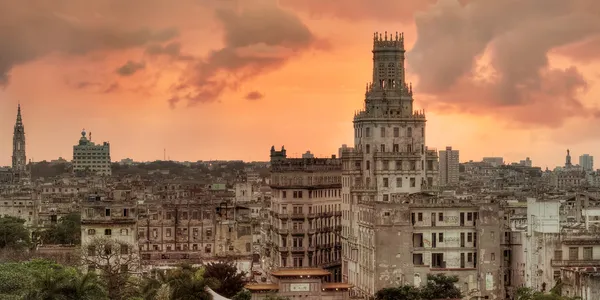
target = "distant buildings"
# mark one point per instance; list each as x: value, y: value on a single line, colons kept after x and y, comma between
x: 449, y: 167
x: 89, y: 157
x: 308, y: 155
x: 526, y: 162
x: 494, y: 161
x: 586, y: 161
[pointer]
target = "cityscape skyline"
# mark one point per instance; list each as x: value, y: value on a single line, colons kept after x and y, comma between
x: 106, y: 90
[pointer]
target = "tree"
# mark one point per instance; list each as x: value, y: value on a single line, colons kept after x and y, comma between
x: 13, y: 234
x: 242, y: 295
x: 440, y: 286
x: 66, y: 284
x: 230, y: 278
x: 405, y: 292
x: 66, y: 232
x: 115, y: 260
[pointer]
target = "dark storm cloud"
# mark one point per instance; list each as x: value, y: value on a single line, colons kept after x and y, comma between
x: 254, y: 95
x: 258, y: 38
x: 356, y: 10
x: 32, y: 29
x: 172, y: 50
x: 130, y: 68
x: 520, y: 35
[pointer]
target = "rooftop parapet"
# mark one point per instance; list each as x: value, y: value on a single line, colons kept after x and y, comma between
x: 366, y: 114
x: 381, y: 42
x: 307, y: 165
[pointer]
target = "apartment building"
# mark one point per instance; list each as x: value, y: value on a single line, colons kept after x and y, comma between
x: 89, y: 157
x: 306, y: 213
x: 449, y: 167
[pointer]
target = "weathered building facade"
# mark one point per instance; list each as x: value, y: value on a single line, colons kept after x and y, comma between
x: 306, y: 213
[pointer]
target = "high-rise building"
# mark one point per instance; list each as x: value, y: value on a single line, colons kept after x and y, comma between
x: 19, y: 159
x: 89, y: 157
x: 389, y: 160
x: 526, y: 162
x: 586, y: 161
x: 449, y: 167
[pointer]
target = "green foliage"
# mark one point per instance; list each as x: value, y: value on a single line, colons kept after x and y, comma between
x: 406, y: 292
x: 13, y: 233
x: 242, y: 295
x: 46, y: 170
x: 226, y: 273
x: 438, y: 286
x: 525, y: 293
x: 66, y: 232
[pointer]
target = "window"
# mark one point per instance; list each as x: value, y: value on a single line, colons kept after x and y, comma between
x: 91, y: 231
x: 385, y: 165
x: 385, y: 182
x: 558, y: 255
x: 386, y: 197
x: 368, y: 165
x: 441, y: 217
x: 382, y: 147
x: 493, y: 256
x: 107, y: 232
x: 382, y: 131
x: 124, y: 268
x: 368, y: 132
x: 413, y: 182
x: 124, y: 249
x: 168, y: 232
x: 368, y: 148
x: 125, y: 212
x: 469, y: 237
x: 91, y: 251
x: 107, y: 212
x: 124, y: 232
x: 588, y: 253
x: 420, y: 217
x: 409, y: 132
x: 441, y: 237
x: 395, y: 148
x: 396, y: 132
x: 469, y: 257
x: 283, y: 194
x: 469, y: 217
x: 107, y: 250
x: 399, y: 182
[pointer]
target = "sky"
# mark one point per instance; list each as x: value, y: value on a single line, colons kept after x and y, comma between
x: 228, y: 79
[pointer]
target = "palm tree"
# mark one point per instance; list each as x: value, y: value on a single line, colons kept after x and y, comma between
x: 65, y: 285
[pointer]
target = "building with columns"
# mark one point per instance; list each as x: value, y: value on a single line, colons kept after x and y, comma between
x: 389, y: 159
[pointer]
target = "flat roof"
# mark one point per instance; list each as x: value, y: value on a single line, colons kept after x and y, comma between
x: 301, y: 272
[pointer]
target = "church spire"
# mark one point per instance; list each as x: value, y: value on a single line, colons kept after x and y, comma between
x: 19, y: 159
x: 19, y: 118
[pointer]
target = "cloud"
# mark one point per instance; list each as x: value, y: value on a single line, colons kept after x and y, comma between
x: 520, y: 85
x: 254, y: 95
x: 359, y: 10
x: 29, y: 30
x: 258, y: 38
x: 130, y: 68
x: 172, y: 50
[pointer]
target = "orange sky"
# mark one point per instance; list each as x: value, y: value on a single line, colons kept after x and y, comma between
x: 523, y: 88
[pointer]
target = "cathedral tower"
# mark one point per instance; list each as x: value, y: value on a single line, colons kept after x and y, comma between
x: 19, y: 160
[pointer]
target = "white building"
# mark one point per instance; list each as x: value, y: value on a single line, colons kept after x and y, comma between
x: 389, y: 158
x: 494, y: 161
x: 586, y: 161
x: 449, y: 164
x: 87, y: 156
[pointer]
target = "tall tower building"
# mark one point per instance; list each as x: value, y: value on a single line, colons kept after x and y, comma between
x: 449, y: 167
x: 389, y: 160
x: 19, y: 160
x: 91, y: 157
x: 568, y: 163
x: 586, y: 161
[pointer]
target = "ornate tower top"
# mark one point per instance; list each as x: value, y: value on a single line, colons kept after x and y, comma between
x: 382, y: 43
x: 19, y: 160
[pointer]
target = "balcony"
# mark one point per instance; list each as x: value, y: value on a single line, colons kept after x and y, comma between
x: 284, y: 249
x: 338, y: 228
x: 312, y: 231
x: 281, y: 230
x: 298, y: 249
x: 298, y: 216
x: 575, y: 263
x: 311, y: 248
x: 297, y: 231
x: 338, y: 213
x: 311, y: 215
x: 363, y: 188
x: 398, y: 155
x: 283, y: 216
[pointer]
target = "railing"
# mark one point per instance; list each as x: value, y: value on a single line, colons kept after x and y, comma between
x: 575, y: 263
x: 363, y: 188
x: 298, y: 231
x: 297, y: 249
x: 311, y: 215
x: 284, y: 249
x: 298, y: 216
